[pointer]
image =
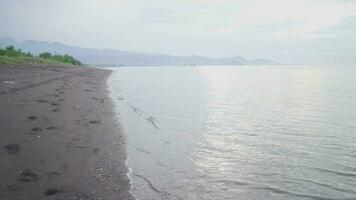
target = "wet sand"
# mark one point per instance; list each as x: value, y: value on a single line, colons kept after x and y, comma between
x: 59, y: 138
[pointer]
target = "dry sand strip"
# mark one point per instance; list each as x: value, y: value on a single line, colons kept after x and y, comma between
x: 59, y: 138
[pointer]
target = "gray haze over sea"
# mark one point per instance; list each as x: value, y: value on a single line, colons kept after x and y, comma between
x: 239, y: 132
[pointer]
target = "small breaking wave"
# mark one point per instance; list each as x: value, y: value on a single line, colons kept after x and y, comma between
x: 150, y: 119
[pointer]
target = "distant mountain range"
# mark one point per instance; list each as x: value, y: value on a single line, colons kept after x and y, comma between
x: 117, y: 57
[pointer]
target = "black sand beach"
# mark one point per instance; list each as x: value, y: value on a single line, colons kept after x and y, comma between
x: 58, y: 135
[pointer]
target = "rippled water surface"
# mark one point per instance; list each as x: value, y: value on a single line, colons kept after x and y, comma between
x: 239, y: 132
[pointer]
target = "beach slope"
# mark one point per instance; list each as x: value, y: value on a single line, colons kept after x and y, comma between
x: 59, y: 138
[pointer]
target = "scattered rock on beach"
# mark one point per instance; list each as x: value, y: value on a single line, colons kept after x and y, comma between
x: 8, y: 82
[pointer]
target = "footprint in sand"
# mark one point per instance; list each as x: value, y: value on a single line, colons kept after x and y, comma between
x: 12, y: 148
x: 31, y: 118
x: 101, y: 100
x: 95, y: 121
x: 14, y: 187
x: 51, y: 191
x: 52, y: 128
x: 53, y: 176
x: 35, y: 131
x: 55, y: 104
x: 95, y: 151
x: 28, y: 176
x: 42, y: 101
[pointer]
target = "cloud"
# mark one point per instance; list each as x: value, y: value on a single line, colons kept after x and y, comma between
x: 182, y: 27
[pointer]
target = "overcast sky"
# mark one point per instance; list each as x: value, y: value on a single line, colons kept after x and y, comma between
x: 301, y: 31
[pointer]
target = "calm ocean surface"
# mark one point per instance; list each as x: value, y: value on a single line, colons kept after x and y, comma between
x: 239, y: 132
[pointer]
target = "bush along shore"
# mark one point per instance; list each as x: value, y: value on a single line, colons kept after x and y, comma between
x: 11, y: 55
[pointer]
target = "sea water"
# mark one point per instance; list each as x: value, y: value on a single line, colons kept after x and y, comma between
x: 238, y: 132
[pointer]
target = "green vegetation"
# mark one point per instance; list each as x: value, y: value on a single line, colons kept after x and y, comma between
x: 10, y: 55
x: 60, y: 58
x: 12, y: 52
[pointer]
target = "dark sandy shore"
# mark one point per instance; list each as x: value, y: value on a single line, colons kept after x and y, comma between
x: 58, y: 135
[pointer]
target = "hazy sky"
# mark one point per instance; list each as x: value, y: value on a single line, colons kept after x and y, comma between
x: 302, y: 31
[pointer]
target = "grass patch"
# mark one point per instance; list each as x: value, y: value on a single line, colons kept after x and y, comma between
x: 8, y: 60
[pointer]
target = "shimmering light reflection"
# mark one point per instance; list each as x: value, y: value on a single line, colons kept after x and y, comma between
x: 256, y: 121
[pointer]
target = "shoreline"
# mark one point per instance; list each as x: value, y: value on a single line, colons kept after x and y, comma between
x: 59, y: 136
